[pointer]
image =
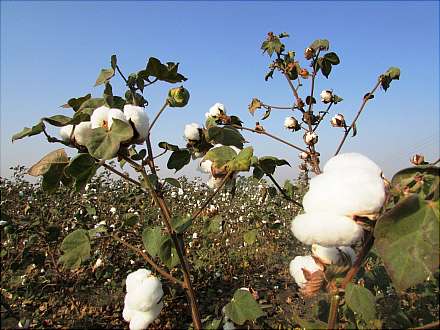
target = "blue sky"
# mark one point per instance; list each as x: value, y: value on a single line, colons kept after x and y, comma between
x: 52, y: 51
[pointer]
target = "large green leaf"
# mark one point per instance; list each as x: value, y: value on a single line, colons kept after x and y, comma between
x: 75, y: 103
x: 34, y: 130
x: 181, y: 223
x: 407, y: 239
x: 423, y: 180
x: 360, y: 300
x: 227, y: 136
x: 76, y: 248
x: 320, y: 44
x: 220, y: 155
x: 168, y: 254
x: 58, y: 120
x: 243, y: 307
x: 332, y: 58
x: 242, y: 161
x: 153, y: 239
x: 268, y: 164
x: 179, y: 159
x: 168, y: 146
x: 104, y: 144
x: 161, y: 71
x: 58, y: 156
x: 82, y: 168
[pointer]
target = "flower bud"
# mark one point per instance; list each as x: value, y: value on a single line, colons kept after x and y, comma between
x: 417, y: 159
x: 291, y: 123
x: 326, y: 96
x: 178, y: 97
x: 310, y: 138
x: 308, y: 53
x: 338, y: 120
x: 304, y: 73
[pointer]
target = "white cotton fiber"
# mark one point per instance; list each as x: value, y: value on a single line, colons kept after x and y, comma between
x: 326, y: 229
x: 138, y: 116
x: 99, y: 117
x: 205, y: 166
x: 141, y: 320
x: 83, y: 132
x: 355, y: 161
x: 298, y: 264
x: 191, y: 132
x: 147, y: 294
x: 115, y: 114
x: 134, y: 279
x: 216, y: 110
x: 65, y: 132
x: 350, y: 193
x: 214, y: 183
x: 333, y: 255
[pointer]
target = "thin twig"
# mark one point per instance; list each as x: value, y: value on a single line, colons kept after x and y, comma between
x: 282, y: 191
x: 160, y: 270
x: 124, y: 176
x: 364, y: 102
x: 161, y: 154
x: 157, y: 117
x: 322, y: 117
x: 436, y: 162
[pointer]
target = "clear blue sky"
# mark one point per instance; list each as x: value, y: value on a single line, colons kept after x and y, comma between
x: 51, y: 51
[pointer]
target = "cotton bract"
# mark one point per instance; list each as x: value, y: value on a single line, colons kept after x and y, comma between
x: 333, y: 255
x: 191, y: 132
x: 298, y: 264
x: 138, y: 116
x: 103, y: 117
x: 326, y: 229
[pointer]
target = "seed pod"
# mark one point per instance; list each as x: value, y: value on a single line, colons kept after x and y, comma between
x: 308, y: 53
x: 292, y: 124
x: 310, y: 138
x: 178, y: 97
x: 338, y: 120
x: 304, y: 155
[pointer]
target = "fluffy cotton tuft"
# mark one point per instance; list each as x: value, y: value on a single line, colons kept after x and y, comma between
x: 138, y: 116
x: 83, y: 132
x: 217, y: 109
x: 103, y: 117
x: 326, y: 229
x: 141, y: 320
x: 191, y: 132
x: 214, y: 183
x: 326, y: 96
x: 290, y: 122
x: 298, y: 264
x: 342, y: 162
x: 333, y: 255
x: 354, y: 192
x: 65, y: 132
x: 205, y: 166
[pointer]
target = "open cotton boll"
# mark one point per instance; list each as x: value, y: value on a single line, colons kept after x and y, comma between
x: 191, y: 132
x: 141, y: 320
x: 115, y: 114
x: 99, y: 117
x: 83, y: 132
x: 205, y: 166
x: 138, y: 116
x: 326, y: 229
x: 352, y: 160
x: 298, y: 264
x: 355, y: 192
x: 134, y: 279
x: 217, y: 109
x: 333, y: 255
x: 65, y: 132
x: 145, y: 295
x: 214, y: 183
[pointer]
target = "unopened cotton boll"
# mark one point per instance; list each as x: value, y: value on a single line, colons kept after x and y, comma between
x: 66, y: 132
x: 298, y: 264
x: 351, y: 160
x: 326, y: 229
x: 191, y: 132
x: 217, y: 109
x: 82, y: 132
x: 333, y: 255
x: 138, y: 116
x: 351, y: 193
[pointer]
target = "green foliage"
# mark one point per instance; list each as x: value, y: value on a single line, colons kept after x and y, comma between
x: 220, y: 156
x: 104, y: 76
x: 181, y: 223
x: 29, y: 131
x: 309, y: 324
x: 407, y: 239
x: 153, y: 239
x: 179, y: 159
x: 361, y: 301
x: 76, y: 248
x: 423, y: 180
x: 250, y: 237
x: 168, y: 146
x: 213, y: 225
x: 227, y: 136
x: 168, y: 253
x: 161, y: 71
x: 178, y: 97
x: 75, y: 103
x: 82, y: 168
x: 130, y: 219
x: 268, y: 164
x: 320, y: 44
x: 273, y: 44
x: 104, y: 144
x: 243, y: 307
x: 391, y: 74
x: 242, y: 161
x: 173, y: 182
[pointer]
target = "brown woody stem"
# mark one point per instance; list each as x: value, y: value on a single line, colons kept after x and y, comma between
x: 333, y: 314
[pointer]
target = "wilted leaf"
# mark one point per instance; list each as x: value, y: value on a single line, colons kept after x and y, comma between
x: 255, y: 104
x: 104, y: 76
x: 360, y: 300
x: 168, y: 146
x: 320, y: 44
x: 76, y: 248
x: 243, y: 307
x: 161, y: 71
x: 57, y: 157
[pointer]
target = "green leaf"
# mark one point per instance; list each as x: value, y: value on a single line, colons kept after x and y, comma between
x: 309, y: 324
x: 268, y: 164
x: 105, y: 144
x: 82, y: 168
x: 213, y: 225
x: 108, y: 94
x: 58, y: 120
x: 130, y: 219
x: 179, y: 159
x: 161, y: 71
x: 153, y: 239
x: 52, y: 178
x: 243, y: 307
x: 173, y: 182
x: 168, y: 254
x: 168, y: 146
x: 227, y: 136
x: 407, y: 239
x: 213, y: 325
x: 181, y: 223
x: 140, y: 155
x: 91, y: 104
x: 272, y: 44
x: 361, y: 301
x: 91, y: 211
x: 250, y: 237
x: 75, y: 103
x: 220, y: 155
x: 392, y: 73
x: 242, y: 161
x: 427, y: 175
x: 320, y: 44
x: 325, y: 66
x: 269, y: 75
x: 95, y: 231
x: 34, y: 130
x: 104, y: 76
x: 76, y: 248
x: 332, y: 58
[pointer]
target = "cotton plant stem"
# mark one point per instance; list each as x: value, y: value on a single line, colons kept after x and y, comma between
x: 322, y: 117
x: 333, y: 314
x: 209, y: 199
x: 157, y: 116
x: 271, y: 136
x: 364, y: 102
x: 166, y: 216
x: 160, y: 270
x: 122, y: 175
x: 282, y: 191
x: 433, y: 325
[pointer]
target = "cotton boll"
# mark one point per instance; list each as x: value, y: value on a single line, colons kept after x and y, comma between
x: 352, y: 160
x: 214, y: 183
x: 217, y: 109
x: 355, y: 192
x: 326, y: 229
x: 333, y: 255
x: 205, y: 166
x: 298, y: 264
x: 65, y: 132
x: 207, y: 115
x: 127, y: 313
x: 83, y: 132
x: 134, y: 279
x: 138, y: 116
x: 141, y: 320
x: 191, y: 132
x: 147, y: 294
x: 99, y: 117
x: 115, y: 114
